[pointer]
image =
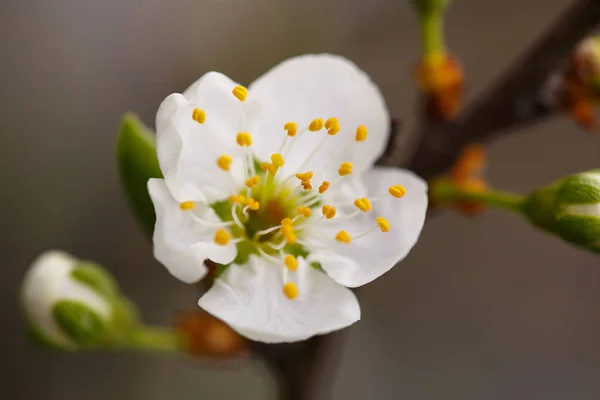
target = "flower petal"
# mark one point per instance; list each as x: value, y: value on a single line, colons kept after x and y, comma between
x: 250, y: 299
x: 365, y: 259
x: 321, y: 86
x: 188, y: 150
x: 180, y: 243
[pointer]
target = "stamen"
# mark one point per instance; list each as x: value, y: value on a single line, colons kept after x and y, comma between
x: 240, y: 92
x: 305, y: 176
x: 186, y: 205
x: 343, y: 236
x: 211, y: 224
x: 345, y: 168
x: 304, y: 211
x: 290, y: 290
x: 252, y: 204
x: 316, y: 125
x: 383, y: 224
x: 333, y: 126
x: 328, y: 211
x: 287, y: 229
x: 277, y: 160
x: 224, y: 162
x: 291, y: 128
x: 306, y: 184
x: 361, y: 133
x: 255, y: 180
x: 290, y: 262
x: 235, y: 216
x: 198, y: 115
x: 363, y: 204
x: 324, y: 186
x: 244, y: 139
x: 397, y: 191
x: 237, y: 198
x: 222, y: 237
x: 267, y: 256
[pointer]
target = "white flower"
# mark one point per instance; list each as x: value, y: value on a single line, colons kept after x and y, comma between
x: 277, y: 183
x: 48, y: 294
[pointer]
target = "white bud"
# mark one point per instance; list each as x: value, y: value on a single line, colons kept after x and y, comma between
x: 49, y: 281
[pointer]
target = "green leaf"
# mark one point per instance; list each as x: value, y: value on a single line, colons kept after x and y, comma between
x: 79, y: 322
x: 137, y: 163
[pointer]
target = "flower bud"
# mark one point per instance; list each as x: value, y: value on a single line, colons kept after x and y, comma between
x: 72, y: 304
x: 570, y: 208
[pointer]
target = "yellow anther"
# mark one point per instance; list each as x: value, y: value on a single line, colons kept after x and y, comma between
x: 237, y: 198
x: 277, y: 160
x: 287, y: 222
x: 383, y: 224
x: 290, y: 290
x: 290, y: 262
x: 363, y: 204
x: 291, y: 128
x: 224, y: 162
x: 255, y: 180
x: 252, y: 204
x: 290, y: 237
x: 240, y: 92
x: 316, y: 125
x: 222, y: 237
x: 397, y: 191
x: 305, y: 176
x: 361, y: 133
x: 198, y: 115
x: 304, y: 211
x: 343, y: 236
x: 187, y: 205
x: 268, y: 167
x: 244, y: 139
x: 345, y: 169
x: 328, y: 211
x: 324, y: 186
x: 332, y: 125
x: 306, y: 184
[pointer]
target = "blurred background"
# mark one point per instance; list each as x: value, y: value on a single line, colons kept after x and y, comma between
x: 483, y: 308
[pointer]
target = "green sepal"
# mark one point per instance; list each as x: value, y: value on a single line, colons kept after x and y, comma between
x: 583, y: 230
x: 540, y: 207
x: 580, y: 189
x: 137, y: 162
x: 80, y: 323
x: 38, y: 338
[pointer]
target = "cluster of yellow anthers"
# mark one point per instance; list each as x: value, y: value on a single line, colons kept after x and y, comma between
x: 286, y: 228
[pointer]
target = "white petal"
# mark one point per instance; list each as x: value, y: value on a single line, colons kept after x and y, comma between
x: 250, y: 299
x: 181, y: 244
x: 369, y: 257
x: 187, y: 150
x: 48, y: 281
x: 321, y: 86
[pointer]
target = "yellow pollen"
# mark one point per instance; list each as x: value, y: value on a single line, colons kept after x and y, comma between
x: 244, y: 139
x: 306, y: 184
x: 383, y: 224
x: 252, y: 204
x: 268, y: 167
x: 287, y: 222
x: 316, y: 125
x: 345, y: 169
x: 304, y: 211
x: 333, y: 130
x: 198, y: 115
x: 290, y: 290
x: 224, y: 162
x: 237, y: 198
x: 290, y: 238
x: 397, y: 191
x: 305, y: 176
x: 363, y: 204
x: 255, y: 180
x: 324, y: 186
x: 343, y: 236
x: 186, y: 205
x: 361, y: 133
x: 240, y: 92
x: 333, y: 126
x: 328, y: 211
x: 290, y: 262
x: 277, y: 160
x: 222, y: 237
x: 291, y: 128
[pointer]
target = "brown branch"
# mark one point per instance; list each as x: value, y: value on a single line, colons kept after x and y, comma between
x: 514, y: 100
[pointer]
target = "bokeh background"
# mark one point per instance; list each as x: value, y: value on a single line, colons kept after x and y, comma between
x: 483, y: 308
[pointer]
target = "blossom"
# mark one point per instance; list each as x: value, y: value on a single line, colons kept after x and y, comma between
x: 276, y: 183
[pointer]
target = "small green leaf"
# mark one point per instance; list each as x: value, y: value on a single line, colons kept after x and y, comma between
x: 79, y: 322
x: 137, y: 163
x: 97, y: 279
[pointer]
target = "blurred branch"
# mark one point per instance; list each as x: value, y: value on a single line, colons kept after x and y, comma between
x: 516, y: 99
